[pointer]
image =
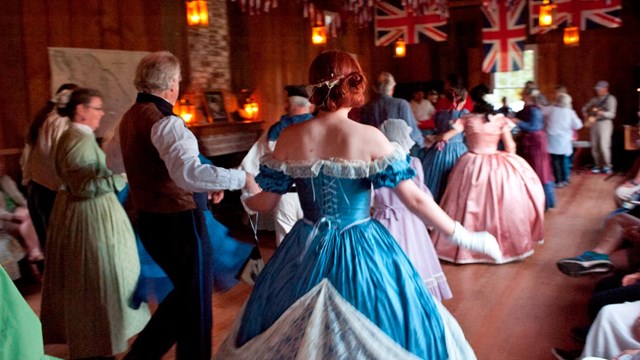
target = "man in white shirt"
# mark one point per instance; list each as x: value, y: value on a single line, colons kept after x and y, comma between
x: 298, y: 109
x: 423, y: 110
x: 161, y: 160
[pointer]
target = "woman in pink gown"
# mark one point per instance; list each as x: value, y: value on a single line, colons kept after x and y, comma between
x: 493, y: 190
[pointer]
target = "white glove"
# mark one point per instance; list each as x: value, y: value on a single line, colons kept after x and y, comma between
x: 243, y: 197
x: 481, y: 241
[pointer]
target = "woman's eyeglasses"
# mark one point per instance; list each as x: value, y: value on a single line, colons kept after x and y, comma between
x: 94, y: 107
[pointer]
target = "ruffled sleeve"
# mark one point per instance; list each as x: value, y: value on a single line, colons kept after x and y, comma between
x: 395, y: 172
x: 272, y: 180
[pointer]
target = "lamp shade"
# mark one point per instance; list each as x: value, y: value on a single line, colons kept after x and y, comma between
x: 251, y: 109
x: 319, y: 35
x: 197, y: 13
x: 547, y: 15
x: 571, y: 36
x: 186, y: 110
x: 400, y: 48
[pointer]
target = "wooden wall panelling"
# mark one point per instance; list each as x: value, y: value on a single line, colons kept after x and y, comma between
x: 58, y: 22
x: 475, y: 56
x: 13, y: 85
x: 110, y: 24
x: 35, y: 43
x: 134, y: 21
x: 269, y: 51
x: 359, y: 41
x: 86, y: 24
x: 546, y: 68
x: 173, y: 27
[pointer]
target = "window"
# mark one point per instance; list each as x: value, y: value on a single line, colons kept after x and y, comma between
x: 510, y: 84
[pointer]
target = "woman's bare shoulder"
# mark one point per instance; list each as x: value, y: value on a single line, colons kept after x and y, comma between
x: 374, y: 141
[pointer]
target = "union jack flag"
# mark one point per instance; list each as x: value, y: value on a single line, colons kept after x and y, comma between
x: 587, y: 14
x: 503, y: 36
x: 393, y: 21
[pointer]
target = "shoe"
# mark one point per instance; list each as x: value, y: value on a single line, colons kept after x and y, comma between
x: 596, y: 170
x: 561, y: 185
x: 579, y: 333
x: 588, y: 262
x: 607, y: 170
x: 562, y: 354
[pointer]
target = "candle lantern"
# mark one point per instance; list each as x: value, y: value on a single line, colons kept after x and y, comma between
x: 571, y: 36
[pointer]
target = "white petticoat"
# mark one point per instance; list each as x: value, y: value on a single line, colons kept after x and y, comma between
x: 323, y: 325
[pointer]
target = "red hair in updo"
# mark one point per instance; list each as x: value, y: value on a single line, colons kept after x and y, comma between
x: 347, y: 92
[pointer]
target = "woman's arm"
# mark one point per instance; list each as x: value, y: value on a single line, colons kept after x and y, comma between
x: 456, y: 129
x: 424, y: 207
x: 263, y: 201
x: 430, y: 213
x: 507, y: 138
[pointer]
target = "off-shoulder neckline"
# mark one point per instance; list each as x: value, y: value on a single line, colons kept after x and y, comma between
x: 337, y: 167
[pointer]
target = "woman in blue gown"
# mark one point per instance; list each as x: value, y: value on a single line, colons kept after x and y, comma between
x: 449, y: 144
x: 340, y: 286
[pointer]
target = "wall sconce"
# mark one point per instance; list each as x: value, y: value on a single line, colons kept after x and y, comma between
x: 547, y: 15
x: 197, y: 13
x: 571, y: 36
x: 186, y: 110
x: 250, y: 108
x: 400, y: 48
x: 319, y: 35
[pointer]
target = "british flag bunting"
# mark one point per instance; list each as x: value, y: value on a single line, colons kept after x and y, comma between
x: 392, y: 21
x: 587, y: 14
x: 503, y: 36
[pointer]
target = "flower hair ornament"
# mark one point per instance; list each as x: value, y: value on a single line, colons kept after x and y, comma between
x: 328, y: 83
x: 62, y: 98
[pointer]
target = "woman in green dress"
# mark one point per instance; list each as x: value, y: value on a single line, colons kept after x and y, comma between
x: 92, y: 260
x: 20, y: 331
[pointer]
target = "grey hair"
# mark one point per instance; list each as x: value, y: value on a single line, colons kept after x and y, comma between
x: 563, y: 100
x: 156, y: 71
x: 384, y: 83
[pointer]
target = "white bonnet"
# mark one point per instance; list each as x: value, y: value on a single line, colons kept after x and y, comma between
x: 397, y: 130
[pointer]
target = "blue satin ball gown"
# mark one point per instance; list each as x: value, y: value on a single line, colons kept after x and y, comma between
x: 340, y: 286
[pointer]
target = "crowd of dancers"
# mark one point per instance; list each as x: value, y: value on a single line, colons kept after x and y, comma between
x: 360, y: 223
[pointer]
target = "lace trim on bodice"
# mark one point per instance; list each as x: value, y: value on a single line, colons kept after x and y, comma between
x: 340, y: 168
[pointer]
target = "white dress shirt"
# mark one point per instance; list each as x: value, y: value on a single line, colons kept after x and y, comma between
x: 178, y: 148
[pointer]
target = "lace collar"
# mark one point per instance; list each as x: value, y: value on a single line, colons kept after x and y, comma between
x: 336, y: 167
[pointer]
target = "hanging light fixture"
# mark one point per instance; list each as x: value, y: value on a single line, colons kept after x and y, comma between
x: 319, y: 34
x: 547, y: 15
x: 571, y: 36
x: 197, y: 13
x: 400, y: 48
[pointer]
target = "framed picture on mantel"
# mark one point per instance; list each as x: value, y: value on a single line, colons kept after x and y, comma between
x: 215, y: 105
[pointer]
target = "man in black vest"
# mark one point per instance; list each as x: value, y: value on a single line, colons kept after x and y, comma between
x: 164, y: 172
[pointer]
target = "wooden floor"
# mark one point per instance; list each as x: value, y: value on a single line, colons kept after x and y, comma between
x: 513, y: 311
